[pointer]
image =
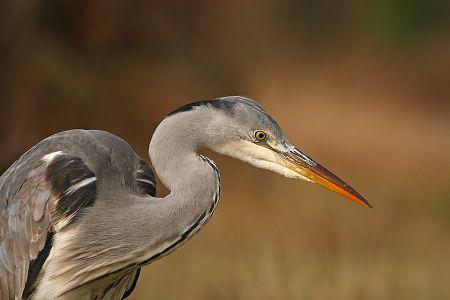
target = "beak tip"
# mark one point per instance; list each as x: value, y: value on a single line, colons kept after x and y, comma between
x: 356, y: 197
x: 364, y: 202
x: 368, y: 205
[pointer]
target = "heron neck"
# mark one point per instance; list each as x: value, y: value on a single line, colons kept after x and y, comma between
x: 191, y: 179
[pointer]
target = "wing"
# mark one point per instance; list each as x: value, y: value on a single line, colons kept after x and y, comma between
x: 24, y: 224
x: 43, y: 192
x: 38, y: 198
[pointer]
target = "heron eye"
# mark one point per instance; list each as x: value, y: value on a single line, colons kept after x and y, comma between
x: 261, y: 135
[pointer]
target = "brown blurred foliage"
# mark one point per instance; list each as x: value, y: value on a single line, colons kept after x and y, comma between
x: 362, y: 86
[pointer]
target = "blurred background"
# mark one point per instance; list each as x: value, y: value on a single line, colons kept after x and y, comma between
x: 361, y: 86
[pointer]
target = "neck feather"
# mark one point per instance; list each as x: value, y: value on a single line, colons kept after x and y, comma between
x: 173, y: 150
x: 193, y: 180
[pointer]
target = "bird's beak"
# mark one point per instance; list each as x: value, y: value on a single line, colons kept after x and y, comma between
x: 301, y: 164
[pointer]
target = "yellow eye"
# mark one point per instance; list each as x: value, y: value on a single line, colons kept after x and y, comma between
x: 261, y: 136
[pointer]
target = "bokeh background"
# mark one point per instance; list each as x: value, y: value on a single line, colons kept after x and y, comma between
x: 361, y: 86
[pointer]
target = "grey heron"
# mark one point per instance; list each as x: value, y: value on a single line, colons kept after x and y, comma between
x: 78, y: 212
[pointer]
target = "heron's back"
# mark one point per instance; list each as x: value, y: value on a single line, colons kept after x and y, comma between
x: 84, y: 164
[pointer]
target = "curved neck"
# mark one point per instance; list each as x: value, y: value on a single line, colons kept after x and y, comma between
x: 193, y: 180
x: 173, y: 152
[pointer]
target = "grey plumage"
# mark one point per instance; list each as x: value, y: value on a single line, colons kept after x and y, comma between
x: 78, y: 213
x: 30, y: 188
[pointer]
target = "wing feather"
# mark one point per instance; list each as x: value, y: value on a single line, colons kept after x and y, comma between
x: 46, y: 199
x: 24, y: 225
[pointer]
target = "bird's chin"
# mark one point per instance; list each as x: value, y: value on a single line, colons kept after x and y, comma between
x: 277, y: 168
x: 260, y: 157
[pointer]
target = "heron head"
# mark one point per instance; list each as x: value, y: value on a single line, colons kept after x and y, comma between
x: 242, y: 129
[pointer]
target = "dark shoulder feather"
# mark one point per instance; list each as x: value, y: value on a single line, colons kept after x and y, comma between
x: 73, y: 184
x: 145, y: 180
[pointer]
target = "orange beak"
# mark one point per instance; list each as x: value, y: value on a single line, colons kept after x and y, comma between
x: 312, y: 171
